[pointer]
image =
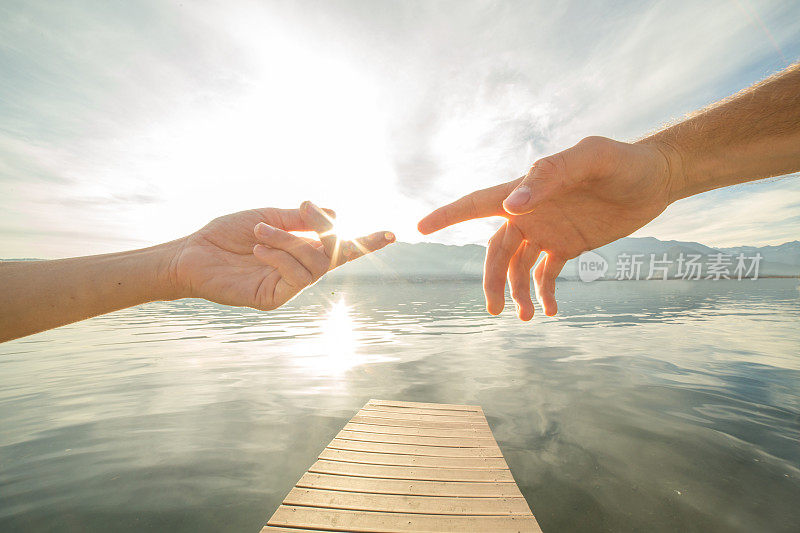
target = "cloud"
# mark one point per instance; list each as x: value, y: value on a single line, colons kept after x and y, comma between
x: 176, y: 113
x: 757, y: 214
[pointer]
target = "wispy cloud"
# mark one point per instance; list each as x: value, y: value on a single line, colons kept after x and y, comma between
x: 751, y: 214
x: 175, y: 113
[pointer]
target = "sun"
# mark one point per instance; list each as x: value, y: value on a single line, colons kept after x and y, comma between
x: 347, y: 228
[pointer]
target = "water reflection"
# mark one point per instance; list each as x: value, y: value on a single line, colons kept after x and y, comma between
x: 643, y: 406
x: 339, y: 337
x: 336, y: 346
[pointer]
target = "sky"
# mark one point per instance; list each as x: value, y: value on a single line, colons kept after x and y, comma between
x: 124, y: 124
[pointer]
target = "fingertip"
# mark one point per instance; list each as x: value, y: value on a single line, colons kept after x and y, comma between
x: 494, y: 308
x: 262, y: 229
x: 514, y: 211
x: 389, y: 236
x: 525, y: 312
x: 424, y: 227
x: 330, y: 212
x: 517, y: 202
x: 259, y: 250
x: 346, y: 249
x: 432, y: 222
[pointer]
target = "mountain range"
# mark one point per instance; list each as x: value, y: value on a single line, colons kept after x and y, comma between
x: 430, y: 261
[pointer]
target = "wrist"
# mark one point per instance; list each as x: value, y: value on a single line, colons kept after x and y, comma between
x: 673, y: 169
x: 167, y: 283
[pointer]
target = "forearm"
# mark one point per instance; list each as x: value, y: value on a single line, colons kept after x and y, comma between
x: 35, y: 296
x: 752, y: 135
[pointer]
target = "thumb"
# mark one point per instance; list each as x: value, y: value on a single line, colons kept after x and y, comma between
x: 554, y: 174
x: 544, y: 180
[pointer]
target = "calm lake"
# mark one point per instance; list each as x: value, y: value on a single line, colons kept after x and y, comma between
x: 644, y: 406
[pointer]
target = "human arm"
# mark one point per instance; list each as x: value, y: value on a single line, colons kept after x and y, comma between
x: 751, y: 135
x: 249, y: 258
x: 601, y: 190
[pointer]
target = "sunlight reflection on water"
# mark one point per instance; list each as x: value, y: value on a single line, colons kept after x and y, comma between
x: 643, y: 406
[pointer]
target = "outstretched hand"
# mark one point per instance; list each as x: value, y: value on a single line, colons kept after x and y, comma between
x: 587, y: 196
x: 252, y: 259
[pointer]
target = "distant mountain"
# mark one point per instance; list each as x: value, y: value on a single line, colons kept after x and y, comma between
x: 645, y: 250
x: 424, y: 261
x: 430, y: 261
x: 787, y: 253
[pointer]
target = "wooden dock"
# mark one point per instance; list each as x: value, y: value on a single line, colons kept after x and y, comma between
x: 403, y: 466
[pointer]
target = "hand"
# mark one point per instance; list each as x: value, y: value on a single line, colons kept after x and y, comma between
x: 582, y: 198
x: 251, y: 259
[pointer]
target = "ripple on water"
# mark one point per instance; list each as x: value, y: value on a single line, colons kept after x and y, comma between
x: 643, y: 406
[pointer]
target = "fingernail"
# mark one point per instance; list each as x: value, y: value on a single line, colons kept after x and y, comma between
x: 389, y: 236
x: 263, y: 229
x: 519, y: 197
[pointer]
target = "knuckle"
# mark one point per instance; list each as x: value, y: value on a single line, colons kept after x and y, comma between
x: 305, y: 277
x: 547, y: 165
x: 321, y: 265
x: 447, y: 215
x: 602, y: 149
x: 598, y: 145
x: 472, y: 206
x: 593, y: 141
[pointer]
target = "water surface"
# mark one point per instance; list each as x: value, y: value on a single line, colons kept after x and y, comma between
x: 645, y: 406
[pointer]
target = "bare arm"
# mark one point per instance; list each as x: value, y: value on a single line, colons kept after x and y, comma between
x: 601, y: 190
x: 753, y: 134
x: 39, y: 295
x: 249, y: 259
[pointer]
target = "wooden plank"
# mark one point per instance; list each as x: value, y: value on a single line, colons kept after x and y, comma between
x: 489, y: 463
x: 418, y: 405
x: 413, y: 411
x: 462, y: 442
x: 476, y: 475
x: 431, y: 451
x: 394, y: 503
x: 411, y: 488
x: 423, y: 417
x: 405, y: 466
x: 422, y: 432
x: 380, y: 421
x: 277, y: 529
x: 374, y: 522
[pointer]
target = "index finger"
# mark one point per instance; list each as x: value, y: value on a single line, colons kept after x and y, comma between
x: 349, y: 250
x: 288, y: 219
x: 478, y: 204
